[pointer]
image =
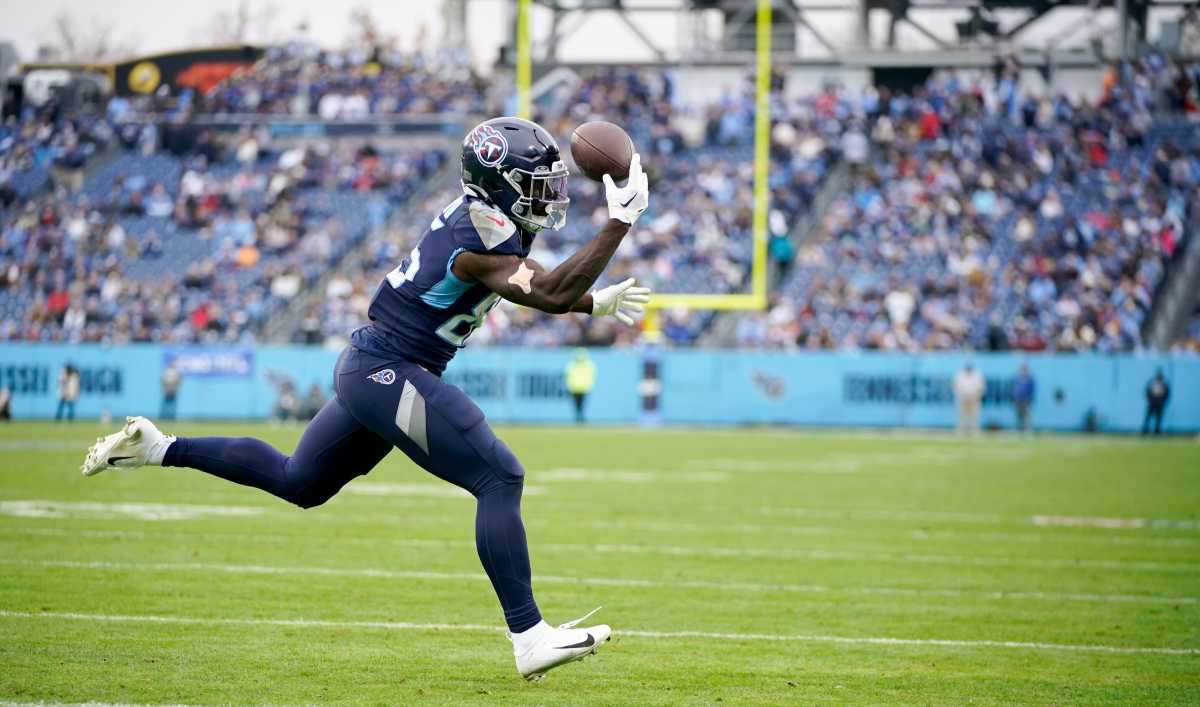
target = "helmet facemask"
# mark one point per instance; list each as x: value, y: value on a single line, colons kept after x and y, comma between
x: 543, y: 199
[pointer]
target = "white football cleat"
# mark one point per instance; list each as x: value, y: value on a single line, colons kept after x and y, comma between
x: 557, y: 646
x: 136, y: 444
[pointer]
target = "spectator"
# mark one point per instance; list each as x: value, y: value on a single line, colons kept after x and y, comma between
x: 287, y: 404
x: 313, y: 402
x: 782, y: 254
x: 969, y: 387
x: 581, y: 377
x: 855, y: 147
x: 1158, y: 392
x: 170, y: 380
x: 1022, y: 394
x: 287, y: 400
x: 68, y: 392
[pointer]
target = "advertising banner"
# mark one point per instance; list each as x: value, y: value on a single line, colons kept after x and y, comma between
x: 827, y: 389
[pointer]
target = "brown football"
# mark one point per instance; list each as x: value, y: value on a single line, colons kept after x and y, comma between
x: 600, y: 148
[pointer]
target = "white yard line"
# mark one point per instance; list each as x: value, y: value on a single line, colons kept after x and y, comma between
x: 9, y: 703
x: 714, y: 635
x: 34, y: 444
x: 851, y: 514
x: 12, y: 703
x: 1035, y: 537
x: 1110, y: 523
x: 139, y: 511
x: 814, y: 554
x: 1014, y: 596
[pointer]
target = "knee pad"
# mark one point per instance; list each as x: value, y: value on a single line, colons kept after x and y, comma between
x: 505, y: 464
x: 493, y: 454
x: 505, y: 477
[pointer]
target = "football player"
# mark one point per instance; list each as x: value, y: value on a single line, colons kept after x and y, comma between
x: 389, y: 391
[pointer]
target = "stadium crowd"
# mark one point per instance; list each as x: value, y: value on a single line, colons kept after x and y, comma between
x: 45, y: 144
x: 994, y: 221
x: 302, y: 79
x: 200, y: 247
x: 977, y: 216
x: 696, y: 236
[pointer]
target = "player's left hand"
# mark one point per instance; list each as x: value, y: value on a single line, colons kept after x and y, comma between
x: 622, y: 300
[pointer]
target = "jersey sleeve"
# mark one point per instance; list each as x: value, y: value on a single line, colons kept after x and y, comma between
x: 486, y: 229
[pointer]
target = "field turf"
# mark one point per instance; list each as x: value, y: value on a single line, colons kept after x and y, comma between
x: 736, y: 567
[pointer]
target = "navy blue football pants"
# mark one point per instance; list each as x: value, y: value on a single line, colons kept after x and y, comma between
x: 381, y: 404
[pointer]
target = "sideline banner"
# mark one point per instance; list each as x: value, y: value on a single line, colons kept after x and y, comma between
x: 688, y: 386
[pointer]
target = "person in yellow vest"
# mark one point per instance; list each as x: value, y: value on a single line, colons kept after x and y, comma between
x: 581, y: 376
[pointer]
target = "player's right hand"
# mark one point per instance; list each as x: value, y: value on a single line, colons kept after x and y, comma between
x: 627, y: 203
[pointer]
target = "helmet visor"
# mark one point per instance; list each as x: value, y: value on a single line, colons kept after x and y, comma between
x: 544, y: 200
x: 553, y: 188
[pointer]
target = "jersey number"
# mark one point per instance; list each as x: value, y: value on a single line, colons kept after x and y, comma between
x: 449, y: 330
x: 441, y: 218
x: 406, y: 270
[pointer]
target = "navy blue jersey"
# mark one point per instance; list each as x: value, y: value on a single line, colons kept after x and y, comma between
x: 421, y: 311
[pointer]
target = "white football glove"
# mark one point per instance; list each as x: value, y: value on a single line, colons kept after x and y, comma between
x: 622, y: 300
x: 628, y: 202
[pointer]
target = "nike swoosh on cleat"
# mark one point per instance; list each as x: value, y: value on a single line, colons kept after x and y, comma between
x: 112, y: 461
x: 582, y: 644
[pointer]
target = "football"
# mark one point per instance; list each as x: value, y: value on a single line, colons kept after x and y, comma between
x: 600, y: 148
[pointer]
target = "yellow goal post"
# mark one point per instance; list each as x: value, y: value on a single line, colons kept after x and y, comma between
x: 756, y: 298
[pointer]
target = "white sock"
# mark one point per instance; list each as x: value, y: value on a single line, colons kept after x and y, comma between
x: 524, y: 640
x: 159, y: 450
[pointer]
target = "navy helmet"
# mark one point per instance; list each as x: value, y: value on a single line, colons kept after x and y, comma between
x: 516, y: 166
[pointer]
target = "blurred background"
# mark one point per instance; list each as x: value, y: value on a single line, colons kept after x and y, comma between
x: 976, y: 214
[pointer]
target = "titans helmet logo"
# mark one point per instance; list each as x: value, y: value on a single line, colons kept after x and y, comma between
x: 489, y: 145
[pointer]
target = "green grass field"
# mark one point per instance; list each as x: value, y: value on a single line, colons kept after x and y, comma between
x: 736, y: 567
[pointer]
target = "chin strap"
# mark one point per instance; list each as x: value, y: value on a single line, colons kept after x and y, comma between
x: 581, y: 619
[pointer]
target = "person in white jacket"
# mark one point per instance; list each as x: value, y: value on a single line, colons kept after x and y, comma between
x: 969, y: 387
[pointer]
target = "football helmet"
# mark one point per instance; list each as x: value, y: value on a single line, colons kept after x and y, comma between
x: 516, y: 166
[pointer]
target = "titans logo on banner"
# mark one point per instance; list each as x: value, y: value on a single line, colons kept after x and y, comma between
x: 489, y: 145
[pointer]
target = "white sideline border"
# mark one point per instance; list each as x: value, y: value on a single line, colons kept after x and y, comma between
x: 708, y: 551
x: 635, y: 633
x: 1019, y: 596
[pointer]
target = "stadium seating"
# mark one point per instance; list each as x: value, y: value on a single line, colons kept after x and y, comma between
x: 974, y: 218
x: 695, y: 237
x: 175, y: 248
x: 300, y: 79
x: 1048, y: 229
x: 1190, y: 341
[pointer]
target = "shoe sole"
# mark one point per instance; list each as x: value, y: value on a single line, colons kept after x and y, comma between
x: 535, y: 677
x: 97, y: 455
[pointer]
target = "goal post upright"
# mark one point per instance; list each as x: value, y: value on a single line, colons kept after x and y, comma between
x: 756, y: 298
x: 762, y: 156
x: 524, y: 61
